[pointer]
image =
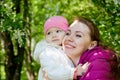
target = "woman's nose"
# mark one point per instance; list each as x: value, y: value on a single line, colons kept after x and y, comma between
x: 70, y: 38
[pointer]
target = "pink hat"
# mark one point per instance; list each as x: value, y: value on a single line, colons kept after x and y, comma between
x: 56, y: 21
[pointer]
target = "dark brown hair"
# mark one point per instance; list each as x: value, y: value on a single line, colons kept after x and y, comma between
x: 95, y: 36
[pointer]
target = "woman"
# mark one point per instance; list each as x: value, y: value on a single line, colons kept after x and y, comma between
x: 82, y: 44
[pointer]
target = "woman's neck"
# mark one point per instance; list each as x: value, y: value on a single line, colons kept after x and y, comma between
x: 75, y: 60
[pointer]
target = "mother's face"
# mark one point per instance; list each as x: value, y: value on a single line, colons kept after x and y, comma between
x: 77, y: 39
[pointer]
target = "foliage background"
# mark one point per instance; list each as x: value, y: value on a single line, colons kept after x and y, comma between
x: 104, y: 13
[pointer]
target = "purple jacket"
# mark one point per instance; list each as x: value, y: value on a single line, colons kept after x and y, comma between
x: 99, y: 68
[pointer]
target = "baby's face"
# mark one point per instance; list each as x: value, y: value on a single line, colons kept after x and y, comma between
x: 55, y: 36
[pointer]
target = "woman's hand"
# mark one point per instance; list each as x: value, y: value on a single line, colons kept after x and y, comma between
x: 45, y: 77
x: 81, y: 69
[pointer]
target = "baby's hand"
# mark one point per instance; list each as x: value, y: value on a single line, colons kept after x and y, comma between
x: 81, y: 69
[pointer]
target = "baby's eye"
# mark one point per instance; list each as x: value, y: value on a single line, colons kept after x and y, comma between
x: 48, y: 33
x: 58, y: 31
x: 67, y: 33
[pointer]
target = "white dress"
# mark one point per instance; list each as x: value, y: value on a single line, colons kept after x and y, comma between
x: 53, y: 60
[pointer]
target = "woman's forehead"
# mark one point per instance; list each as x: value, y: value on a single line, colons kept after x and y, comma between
x: 78, y: 26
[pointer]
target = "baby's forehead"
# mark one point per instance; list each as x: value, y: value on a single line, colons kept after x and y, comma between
x: 54, y: 28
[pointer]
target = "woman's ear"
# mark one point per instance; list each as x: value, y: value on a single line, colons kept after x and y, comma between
x: 92, y: 45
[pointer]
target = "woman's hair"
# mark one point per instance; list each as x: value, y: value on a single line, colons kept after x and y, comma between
x: 95, y: 36
x: 115, y: 63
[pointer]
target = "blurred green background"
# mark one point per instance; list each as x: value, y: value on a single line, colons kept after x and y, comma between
x: 21, y: 27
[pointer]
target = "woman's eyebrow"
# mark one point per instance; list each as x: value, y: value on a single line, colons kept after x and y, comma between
x: 79, y: 32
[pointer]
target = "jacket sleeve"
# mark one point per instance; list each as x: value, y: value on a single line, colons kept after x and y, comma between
x: 99, y: 69
x: 49, y: 60
x: 38, y: 50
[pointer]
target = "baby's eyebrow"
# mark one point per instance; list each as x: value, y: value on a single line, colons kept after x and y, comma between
x: 69, y: 30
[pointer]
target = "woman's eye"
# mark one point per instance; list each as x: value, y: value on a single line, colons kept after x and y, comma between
x: 78, y: 36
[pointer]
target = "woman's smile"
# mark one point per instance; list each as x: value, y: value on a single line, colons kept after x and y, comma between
x: 69, y: 46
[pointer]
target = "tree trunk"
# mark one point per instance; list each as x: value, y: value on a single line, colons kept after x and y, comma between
x: 9, y: 60
x: 20, y: 50
x: 18, y: 62
x: 13, y: 64
x: 28, y: 61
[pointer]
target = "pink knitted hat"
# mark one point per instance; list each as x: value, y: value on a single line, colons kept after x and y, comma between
x: 56, y: 21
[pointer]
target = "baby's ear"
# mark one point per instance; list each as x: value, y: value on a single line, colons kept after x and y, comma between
x: 92, y: 45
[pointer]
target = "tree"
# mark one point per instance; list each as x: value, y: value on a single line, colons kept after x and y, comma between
x: 109, y: 21
x: 15, y: 35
